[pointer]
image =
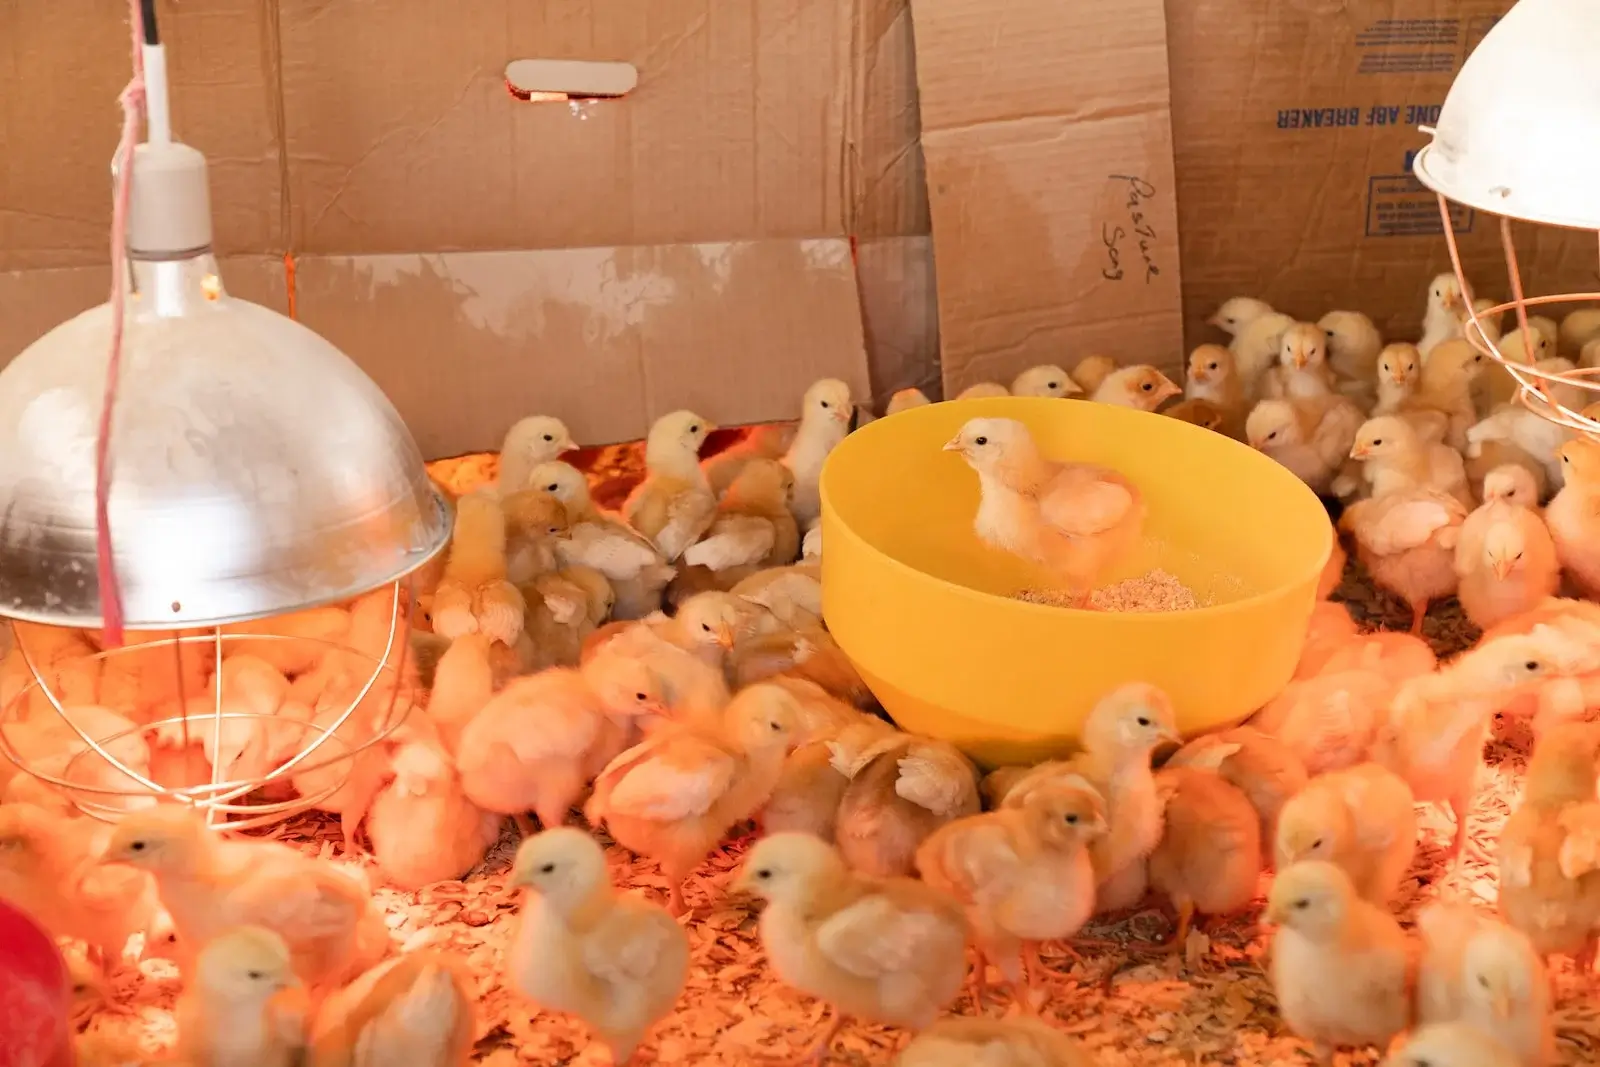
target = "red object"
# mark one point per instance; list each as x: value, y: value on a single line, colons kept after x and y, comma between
x: 35, y: 995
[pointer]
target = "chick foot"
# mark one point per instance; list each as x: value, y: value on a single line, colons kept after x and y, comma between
x: 1418, y: 613
x: 1180, y: 935
x: 818, y: 1052
x: 676, y: 907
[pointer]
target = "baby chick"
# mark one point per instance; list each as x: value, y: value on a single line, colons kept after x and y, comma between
x: 1477, y: 970
x: 1045, y: 380
x: 1209, y: 857
x: 754, y: 527
x: 1407, y: 540
x: 674, y: 504
x: 1529, y: 433
x: 1121, y: 732
x: 766, y: 441
x: 1265, y: 769
x: 807, y: 795
x: 211, y: 885
x: 906, y: 399
x: 1091, y: 371
x: 1450, y: 1045
x: 793, y: 594
x: 983, y: 391
x: 1311, y: 437
x: 1394, y: 457
x: 808, y: 652
x: 1237, y: 313
x: 1339, y: 963
x: 902, y: 788
x: 1513, y: 484
x: 1020, y: 1042
x: 1579, y: 328
x: 636, y: 570
x: 535, y: 521
x: 674, y: 796
x: 1362, y: 819
x: 1302, y: 369
x: 418, y: 1010
x: 422, y: 827
x: 824, y: 422
x: 1525, y: 347
x: 1140, y: 386
x: 1257, y: 337
x: 531, y: 441
x: 1328, y: 719
x: 1354, y: 344
x: 614, y: 960
x: 1073, y: 518
x: 890, y: 951
x: 1490, y: 458
x: 1023, y: 873
x: 1448, y: 374
x: 1506, y: 560
x: 48, y: 866
x: 1549, y: 887
x: 1399, y: 368
x: 1574, y: 515
x: 1212, y: 377
x: 1441, y: 321
x: 474, y: 595
x: 1201, y: 413
x: 233, y: 1013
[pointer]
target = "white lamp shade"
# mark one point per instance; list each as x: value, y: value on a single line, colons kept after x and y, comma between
x: 1519, y: 133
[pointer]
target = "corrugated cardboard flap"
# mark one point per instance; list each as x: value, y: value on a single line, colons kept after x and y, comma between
x: 1047, y: 131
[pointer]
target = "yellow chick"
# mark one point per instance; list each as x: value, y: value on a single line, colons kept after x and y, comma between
x: 1573, y: 516
x: 1302, y: 369
x: 889, y: 951
x: 1398, y: 371
x: 983, y: 391
x: 1394, y: 457
x: 531, y: 441
x: 1395, y: 656
x: 1237, y: 313
x: 563, y: 610
x: 754, y: 527
x: 809, y: 790
x: 1020, y: 1042
x: 464, y: 679
x: 1208, y: 860
x: 1445, y: 388
x: 211, y: 885
x: 1311, y: 437
x: 1213, y: 377
x: 1122, y: 731
x: 234, y: 1012
x: 419, y: 1010
x: 1529, y: 433
x: 612, y: 959
x: 674, y: 504
x: 1407, y: 539
x: 793, y: 594
x: 1091, y: 371
x: 1578, y: 328
x: 1201, y: 413
x: 636, y: 570
x: 1506, y: 560
x: 1505, y: 472
x: 49, y: 867
x: 1264, y: 769
x: 675, y: 795
x: 1513, y: 484
x: 905, y: 399
x: 1441, y: 320
x: 474, y: 595
x: 1477, y: 970
x: 1045, y: 380
x: 1072, y: 518
x: 1450, y: 1045
x: 1140, y: 386
x: 686, y: 653
x: 1340, y: 964
x: 1328, y: 720
x: 1331, y: 626
x: 1354, y: 345
x: 1527, y: 348
x: 1549, y: 877
x: 535, y: 520
x: 1023, y: 874
x: 422, y: 827
x: 824, y: 422
x: 767, y: 441
x: 902, y: 789
x: 537, y: 743
x: 1361, y: 819
x: 808, y: 652
x: 1257, y: 332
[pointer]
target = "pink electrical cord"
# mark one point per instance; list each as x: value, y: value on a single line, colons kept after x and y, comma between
x: 132, y: 100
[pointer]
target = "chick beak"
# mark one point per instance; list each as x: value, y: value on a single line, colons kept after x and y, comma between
x: 1500, y: 1004
x: 743, y: 883
x: 1214, y: 320
x: 566, y: 444
x: 1300, y: 360
x: 842, y: 414
x: 521, y: 877
x: 1400, y: 377
x: 725, y: 636
x: 1171, y: 737
x: 1501, y: 567
x: 1165, y: 391
x: 953, y: 445
x: 1360, y: 452
x: 1273, y: 914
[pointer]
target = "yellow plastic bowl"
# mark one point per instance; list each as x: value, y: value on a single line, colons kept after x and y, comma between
x: 925, y: 610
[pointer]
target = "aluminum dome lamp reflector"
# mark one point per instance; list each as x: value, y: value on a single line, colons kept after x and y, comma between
x: 256, y: 470
x: 1519, y: 132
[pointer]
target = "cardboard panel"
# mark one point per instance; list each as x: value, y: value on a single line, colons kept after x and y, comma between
x: 63, y: 64
x: 33, y: 302
x: 607, y: 338
x: 1294, y: 124
x: 888, y: 188
x: 900, y: 313
x: 735, y: 132
x: 1048, y: 141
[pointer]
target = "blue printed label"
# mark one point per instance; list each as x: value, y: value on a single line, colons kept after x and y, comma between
x: 1400, y: 206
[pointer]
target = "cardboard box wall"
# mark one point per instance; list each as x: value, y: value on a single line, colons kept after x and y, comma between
x: 767, y: 206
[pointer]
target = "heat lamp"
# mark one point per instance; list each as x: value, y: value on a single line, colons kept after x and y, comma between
x: 1519, y: 137
x: 253, y: 471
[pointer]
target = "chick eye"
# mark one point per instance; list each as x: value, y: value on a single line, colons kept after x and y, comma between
x: 981, y: 441
x: 1052, y: 385
x: 548, y: 868
x: 1483, y: 980
x: 137, y: 846
x: 551, y: 529
x: 1272, y: 435
x: 824, y: 403
x: 1072, y: 820
x: 706, y: 627
x: 1329, y: 333
x: 1211, y: 366
x: 1477, y: 359
x: 695, y: 428
x: 552, y: 487
x: 1302, y: 904
x: 764, y: 874
x: 1143, y: 721
x: 1531, y: 666
x: 549, y: 437
x: 640, y: 697
x: 1316, y: 844
x: 1228, y: 320
x: 1147, y: 386
x: 254, y: 976
x: 775, y: 727
x: 1386, y: 368
x: 1517, y: 556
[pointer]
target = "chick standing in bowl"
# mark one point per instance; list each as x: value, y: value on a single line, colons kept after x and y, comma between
x: 1073, y: 518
